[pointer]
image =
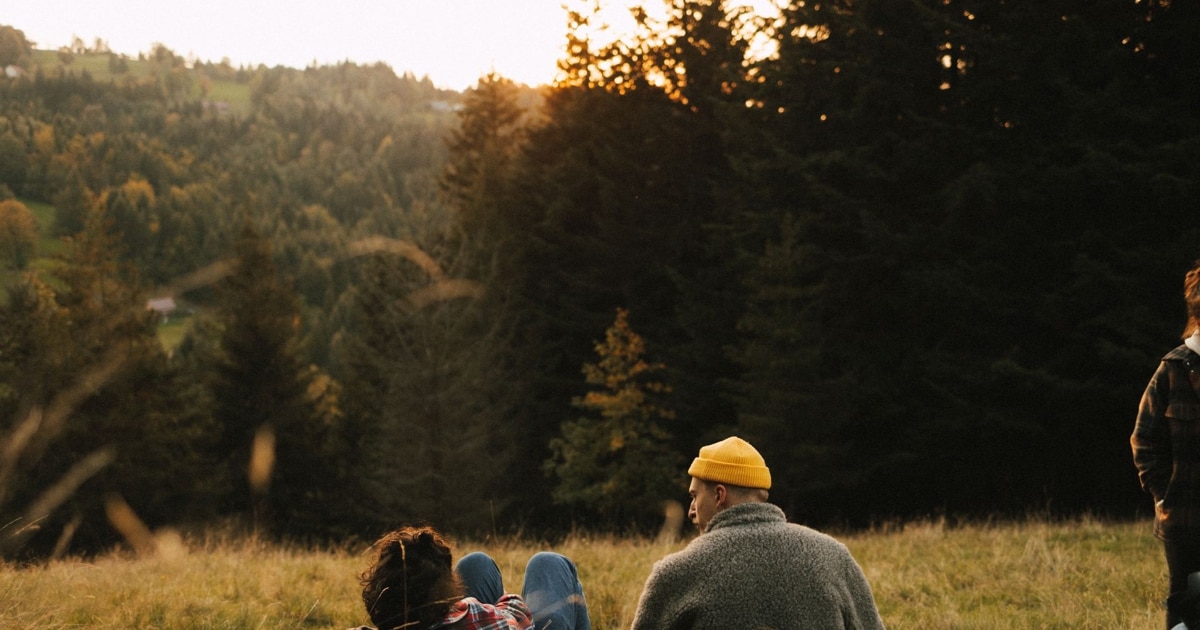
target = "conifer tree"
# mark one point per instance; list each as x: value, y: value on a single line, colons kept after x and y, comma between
x: 784, y: 390
x: 617, y: 461
x: 275, y: 432
x: 430, y: 407
x: 482, y: 151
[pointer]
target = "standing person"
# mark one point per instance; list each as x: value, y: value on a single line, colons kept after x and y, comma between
x: 1166, y: 451
x: 411, y: 586
x: 750, y: 568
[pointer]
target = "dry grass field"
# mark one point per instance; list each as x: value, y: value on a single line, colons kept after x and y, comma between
x: 1041, y: 574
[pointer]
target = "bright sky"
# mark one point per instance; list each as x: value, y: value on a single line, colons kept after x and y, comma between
x: 453, y: 41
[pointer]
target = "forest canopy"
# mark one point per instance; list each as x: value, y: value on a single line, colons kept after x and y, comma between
x: 924, y: 256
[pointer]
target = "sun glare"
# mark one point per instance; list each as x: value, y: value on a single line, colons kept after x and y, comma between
x: 615, y: 19
x: 454, y: 42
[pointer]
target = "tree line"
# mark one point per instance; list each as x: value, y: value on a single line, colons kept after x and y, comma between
x: 924, y: 255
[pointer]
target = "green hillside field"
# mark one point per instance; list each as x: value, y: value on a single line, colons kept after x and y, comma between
x: 170, y: 332
x: 209, y: 88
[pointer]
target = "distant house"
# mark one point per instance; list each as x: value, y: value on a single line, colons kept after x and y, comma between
x: 163, y: 306
x: 13, y: 72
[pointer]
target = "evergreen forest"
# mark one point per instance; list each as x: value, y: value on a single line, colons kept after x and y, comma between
x: 924, y: 254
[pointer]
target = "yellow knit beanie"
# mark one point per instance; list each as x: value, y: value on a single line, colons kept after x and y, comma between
x: 732, y: 461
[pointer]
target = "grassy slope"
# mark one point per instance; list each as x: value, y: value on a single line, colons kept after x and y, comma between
x: 237, y: 95
x: 170, y: 333
x: 926, y: 576
x: 48, y: 244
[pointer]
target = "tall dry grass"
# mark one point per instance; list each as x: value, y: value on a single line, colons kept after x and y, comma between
x: 1035, y: 574
x: 928, y: 575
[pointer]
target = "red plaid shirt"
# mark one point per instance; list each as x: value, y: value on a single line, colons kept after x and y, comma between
x: 510, y: 613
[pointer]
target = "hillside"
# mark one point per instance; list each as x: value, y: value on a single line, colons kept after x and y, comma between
x: 218, y: 84
x: 924, y: 259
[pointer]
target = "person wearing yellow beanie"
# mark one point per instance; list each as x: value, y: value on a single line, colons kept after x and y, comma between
x: 725, y: 474
x: 750, y: 568
x: 732, y: 461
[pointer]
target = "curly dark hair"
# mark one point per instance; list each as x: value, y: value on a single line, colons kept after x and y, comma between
x: 1191, y: 295
x: 411, y: 583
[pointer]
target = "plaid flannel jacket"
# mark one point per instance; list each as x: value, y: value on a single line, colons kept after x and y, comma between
x: 1166, y: 443
x: 509, y: 613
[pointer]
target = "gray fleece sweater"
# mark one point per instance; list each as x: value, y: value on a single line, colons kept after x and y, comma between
x: 753, y: 569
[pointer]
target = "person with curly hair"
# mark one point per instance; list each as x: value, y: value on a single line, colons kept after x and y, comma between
x: 411, y: 585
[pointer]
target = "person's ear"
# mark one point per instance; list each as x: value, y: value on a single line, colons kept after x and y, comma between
x: 722, y: 494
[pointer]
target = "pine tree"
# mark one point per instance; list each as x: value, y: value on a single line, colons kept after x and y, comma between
x: 617, y: 461
x: 618, y: 195
x: 784, y: 388
x: 482, y: 151
x: 276, y: 434
x: 430, y: 404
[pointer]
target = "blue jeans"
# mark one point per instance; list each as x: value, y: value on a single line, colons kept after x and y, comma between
x: 552, y: 589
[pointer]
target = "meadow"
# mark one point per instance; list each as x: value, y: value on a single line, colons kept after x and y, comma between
x: 928, y: 575
x: 236, y: 95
